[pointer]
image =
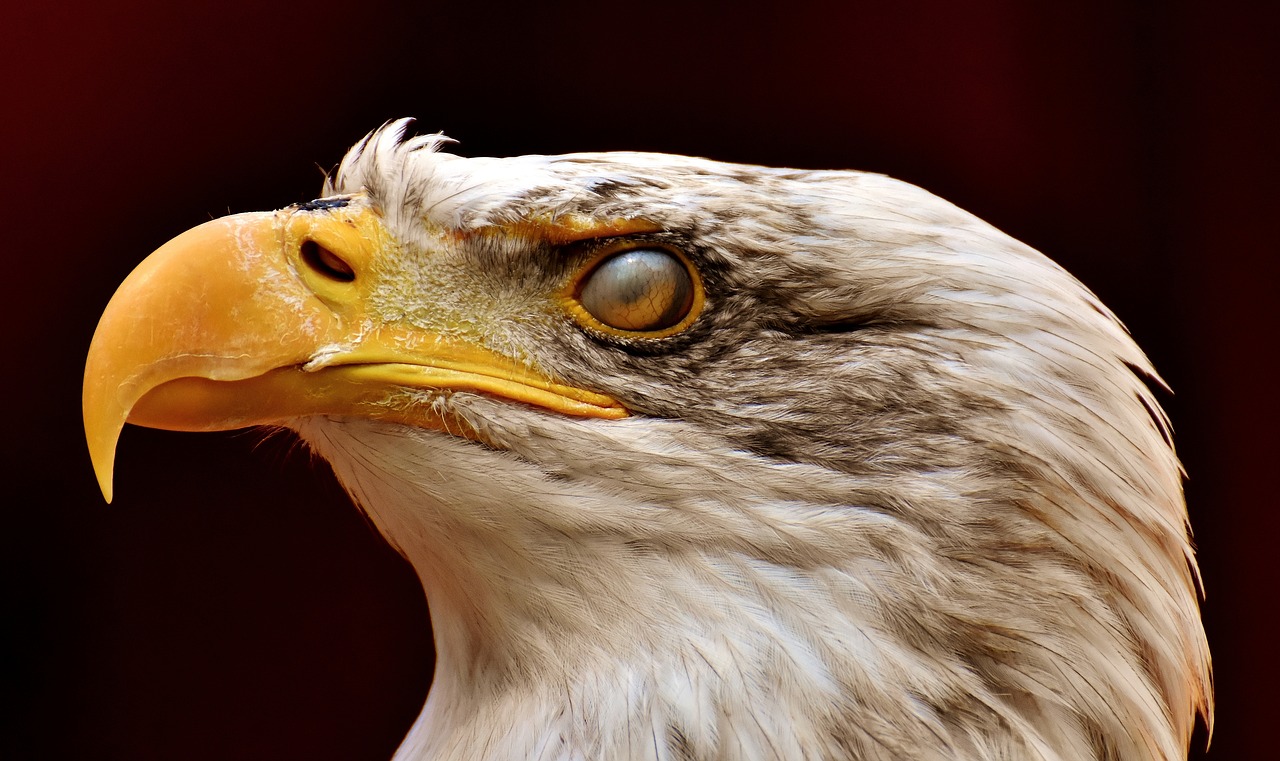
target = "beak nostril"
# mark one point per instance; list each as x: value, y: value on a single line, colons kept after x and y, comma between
x: 326, y: 262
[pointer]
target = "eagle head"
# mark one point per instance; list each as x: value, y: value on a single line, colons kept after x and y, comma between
x: 699, y: 460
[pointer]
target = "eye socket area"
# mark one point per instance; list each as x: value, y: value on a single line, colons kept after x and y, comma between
x: 642, y: 290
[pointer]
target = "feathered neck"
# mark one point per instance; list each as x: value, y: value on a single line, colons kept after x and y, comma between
x: 653, y: 601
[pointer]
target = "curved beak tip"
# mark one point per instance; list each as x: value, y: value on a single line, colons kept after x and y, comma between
x: 104, y: 483
x: 165, y: 320
x: 102, y: 454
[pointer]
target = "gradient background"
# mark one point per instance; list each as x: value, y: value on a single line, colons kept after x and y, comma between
x: 230, y: 604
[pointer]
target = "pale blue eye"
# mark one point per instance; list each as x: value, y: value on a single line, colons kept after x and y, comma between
x: 645, y: 289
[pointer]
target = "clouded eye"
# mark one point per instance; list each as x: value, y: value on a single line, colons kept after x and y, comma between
x: 642, y: 290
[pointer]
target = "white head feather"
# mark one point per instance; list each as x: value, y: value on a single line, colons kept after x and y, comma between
x: 902, y: 492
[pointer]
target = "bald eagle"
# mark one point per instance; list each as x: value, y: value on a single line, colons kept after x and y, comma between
x: 698, y: 460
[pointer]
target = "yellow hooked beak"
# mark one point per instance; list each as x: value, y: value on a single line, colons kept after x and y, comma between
x: 261, y: 318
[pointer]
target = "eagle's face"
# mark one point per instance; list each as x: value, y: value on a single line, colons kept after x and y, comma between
x: 699, y: 460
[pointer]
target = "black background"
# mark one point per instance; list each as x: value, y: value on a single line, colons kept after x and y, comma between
x: 230, y: 604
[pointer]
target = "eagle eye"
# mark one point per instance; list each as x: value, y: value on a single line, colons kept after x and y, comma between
x: 640, y: 290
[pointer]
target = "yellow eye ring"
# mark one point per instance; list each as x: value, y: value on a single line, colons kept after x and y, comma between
x: 636, y: 290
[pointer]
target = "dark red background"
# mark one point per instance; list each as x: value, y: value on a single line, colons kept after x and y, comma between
x: 231, y: 605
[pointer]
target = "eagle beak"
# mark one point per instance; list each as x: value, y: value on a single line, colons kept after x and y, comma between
x: 262, y: 318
